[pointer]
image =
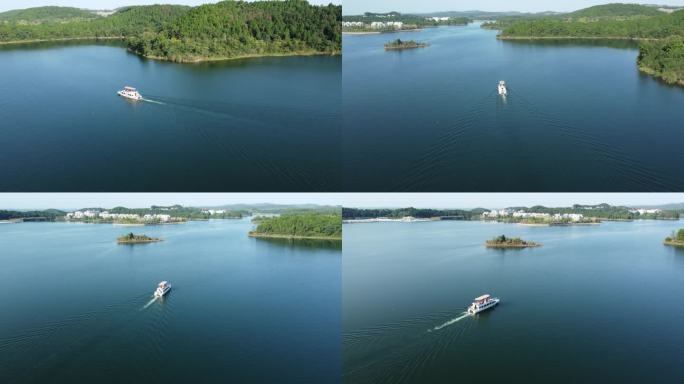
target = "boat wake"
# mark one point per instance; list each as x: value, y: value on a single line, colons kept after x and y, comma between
x: 154, y: 101
x: 149, y: 303
x: 452, y: 321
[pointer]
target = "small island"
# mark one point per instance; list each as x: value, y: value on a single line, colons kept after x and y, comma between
x: 315, y: 226
x: 132, y: 238
x: 510, y: 242
x: 399, y: 44
x: 676, y: 239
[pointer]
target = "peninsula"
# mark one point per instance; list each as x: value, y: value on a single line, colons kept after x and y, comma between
x: 676, y: 239
x: 659, y: 31
x: 508, y: 242
x: 300, y: 226
x: 399, y: 44
x: 132, y: 238
x: 221, y: 31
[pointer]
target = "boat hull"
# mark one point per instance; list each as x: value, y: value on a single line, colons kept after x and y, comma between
x: 161, y: 293
x: 476, y: 311
x: 130, y: 97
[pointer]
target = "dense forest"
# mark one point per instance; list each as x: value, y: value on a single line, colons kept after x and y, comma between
x: 42, y: 15
x: 422, y: 213
x: 234, y: 29
x: 663, y: 58
x: 661, y: 52
x: 224, y: 30
x: 301, y: 225
x: 46, y: 215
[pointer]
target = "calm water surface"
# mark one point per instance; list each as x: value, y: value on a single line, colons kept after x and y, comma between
x: 76, y: 307
x: 268, y: 124
x: 579, y: 116
x: 593, y: 305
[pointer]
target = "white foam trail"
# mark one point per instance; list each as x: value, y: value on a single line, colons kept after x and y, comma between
x: 448, y: 323
x: 154, y: 101
x: 149, y: 303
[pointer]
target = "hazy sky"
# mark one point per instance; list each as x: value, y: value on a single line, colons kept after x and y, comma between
x: 6, y: 5
x: 143, y: 200
x: 355, y: 7
x: 372, y: 200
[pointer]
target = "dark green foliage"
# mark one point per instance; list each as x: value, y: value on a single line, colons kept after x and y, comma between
x: 655, y: 27
x: 41, y: 15
x: 512, y: 241
x: 49, y: 215
x: 235, y: 28
x: 663, y: 58
x: 615, y: 10
x: 311, y: 225
x: 676, y: 237
x: 190, y: 213
x: 124, y: 23
x: 223, y: 30
x: 355, y: 213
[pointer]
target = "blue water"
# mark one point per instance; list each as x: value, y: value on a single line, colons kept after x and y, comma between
x: 594, y: 304
x: 270, y: 124
x: 579, y: 116
x: 76, y: 306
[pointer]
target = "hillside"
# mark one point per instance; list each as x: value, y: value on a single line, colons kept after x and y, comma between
x: 124, y: 23
x: 225, y: 30
x: 614, y: 10
x: 311, y: 225
x: 42, y: 15
x: 235, y: 29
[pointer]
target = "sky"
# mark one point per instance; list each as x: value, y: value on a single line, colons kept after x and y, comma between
x: 73, y: 201
x: 6, y: 5
x: 356, y: 7
x: 357, y: 200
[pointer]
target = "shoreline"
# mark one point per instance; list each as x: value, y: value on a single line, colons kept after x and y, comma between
x: 153, y: 240
x: 63, y: 39
x: 290, y: 237
x: 247, y: 56
x: 677, y: 244
x: 653, y: 73
x: 504, y: 37
x: 502, y: 246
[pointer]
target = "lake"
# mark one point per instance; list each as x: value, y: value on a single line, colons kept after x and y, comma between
x: 76, y: 307
x: 579, y: 116
x: 594, y: 304
x: 266, y: 124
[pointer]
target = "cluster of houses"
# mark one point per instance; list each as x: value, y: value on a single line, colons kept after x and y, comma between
x: 104, y: 215
x: 438, y: 19
x: 214, y: 211
x: 642, y: 211
x: 374, y: 25
x: 520, y: 214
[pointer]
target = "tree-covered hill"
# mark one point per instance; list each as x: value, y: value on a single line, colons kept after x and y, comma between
x: 235, y: 28
x: 614, y: 10
x: 124, y: 23
x: 300, y: 225
x: 224, y: 30
x: 664, y: 59
x: 42, y: 15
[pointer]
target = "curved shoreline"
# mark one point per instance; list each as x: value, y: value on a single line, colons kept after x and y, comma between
x: 508, y: 37
x: 294, y: 237
x: 61, y: 40
x: 678, y: 244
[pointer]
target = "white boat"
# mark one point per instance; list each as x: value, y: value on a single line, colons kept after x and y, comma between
x: 502, y: 88
x: 162, y: 289
x: 482, y: 303
x: 130, y: 93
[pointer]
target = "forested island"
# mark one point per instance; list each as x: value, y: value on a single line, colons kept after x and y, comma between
x: 660, y: 33
x: 510, y: 242
x: 399, y: 44
x: 132, y: 238
x: 221, y: 31
x: 676, y: 239
x: 300, y: 226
